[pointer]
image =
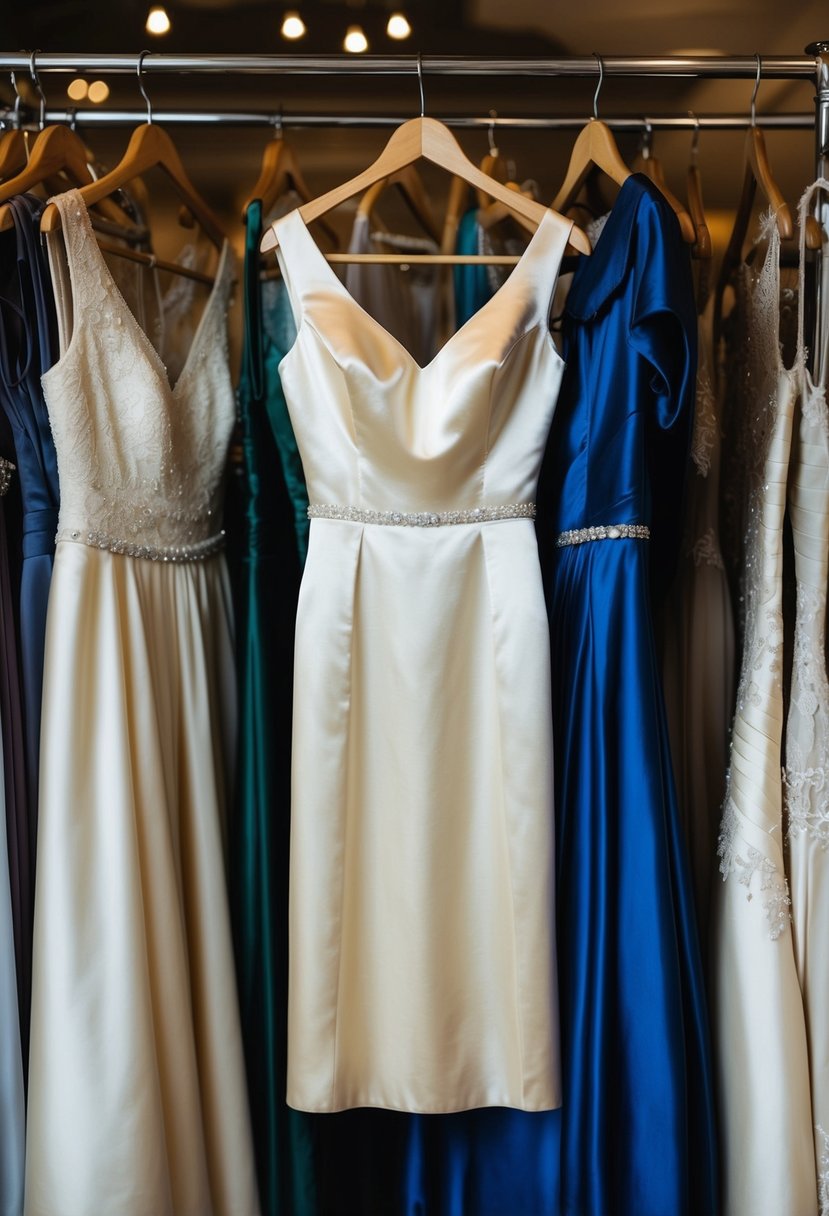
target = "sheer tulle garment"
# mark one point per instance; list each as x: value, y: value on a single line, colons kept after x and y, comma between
x: 760, y: 1037
x: 698, y: 642
x: 806, y: 775
x: 137, y: 1099
x: 422, y: 956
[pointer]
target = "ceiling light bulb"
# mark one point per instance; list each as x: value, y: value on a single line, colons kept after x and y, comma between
x: 293, y: 26
x: 355, y: 40
x: 398, y: 26
x: 77, y: 89
x: 98, y: 92
x: 157, y: 20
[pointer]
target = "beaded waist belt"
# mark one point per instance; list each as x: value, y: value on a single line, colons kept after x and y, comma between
x: 580, y: 536
x: 154, y: 553
x: 423, y: 519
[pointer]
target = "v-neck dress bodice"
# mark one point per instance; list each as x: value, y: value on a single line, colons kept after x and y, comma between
x: 422, y: 949
x: 137, y: 1100
x: 140, y: 460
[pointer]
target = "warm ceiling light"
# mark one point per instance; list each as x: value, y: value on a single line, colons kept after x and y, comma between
x: 77, y: 89
x: 355, y: 40
x: 398, y: 26
x: 293, y: 26
x: 157, y: 20
x: 98, y: 92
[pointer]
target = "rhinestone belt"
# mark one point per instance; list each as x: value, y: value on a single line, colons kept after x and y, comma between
x: 423, y: 519
x: 154, y: 553
x: 579, y: 536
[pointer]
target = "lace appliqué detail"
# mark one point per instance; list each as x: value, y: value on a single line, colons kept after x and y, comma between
x: 705, y: 424
x: 706, y: 551
x: 772, y: 885
x: 823, y: 1171
x: 760, y: 684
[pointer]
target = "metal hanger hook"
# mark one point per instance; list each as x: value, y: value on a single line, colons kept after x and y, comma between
x: 420, y: 83
x: 756, y: 87
x: 38, y: 87
x: 598, y: 59
x: 490, y: 133
x: 139, y: 69
x: 695, y: 137
x: 647, y: 139
x: 18, y: 100
x: 277, y: 124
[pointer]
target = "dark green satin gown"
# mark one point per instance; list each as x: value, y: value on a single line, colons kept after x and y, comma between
x: 267, y: 591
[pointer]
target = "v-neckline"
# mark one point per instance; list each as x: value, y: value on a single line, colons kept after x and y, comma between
x: 141, y: 334
x: 418, y: 368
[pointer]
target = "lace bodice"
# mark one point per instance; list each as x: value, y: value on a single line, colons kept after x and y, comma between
x: 751, y: 835
x: 140, y: 459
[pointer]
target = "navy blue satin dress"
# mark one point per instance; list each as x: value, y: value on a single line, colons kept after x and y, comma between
x: 637, y: 1133
x: 28, y: 347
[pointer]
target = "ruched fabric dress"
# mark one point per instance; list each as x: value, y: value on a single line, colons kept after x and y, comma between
x: 637, y: 1131
x: 422, y: 946
x: 137, y: 1096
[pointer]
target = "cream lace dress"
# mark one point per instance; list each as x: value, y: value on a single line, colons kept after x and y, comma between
x: 137, y: 1100
x: 759, y: 1030
x: 806, y: 791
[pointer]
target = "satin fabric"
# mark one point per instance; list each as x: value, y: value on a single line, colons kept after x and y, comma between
x: 260, y: 830
x: 471, y: 283
x: 137, y: 1095
x: 637, y: 1131
x: 421, y: 817
x: 28, y: 347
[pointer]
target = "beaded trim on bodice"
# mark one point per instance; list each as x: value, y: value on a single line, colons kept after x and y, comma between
x: 141, y: 460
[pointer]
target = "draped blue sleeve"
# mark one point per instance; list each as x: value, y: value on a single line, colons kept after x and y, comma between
x: 663, y: 331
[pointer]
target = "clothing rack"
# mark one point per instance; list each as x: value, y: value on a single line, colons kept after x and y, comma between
x: 88, y: 117
x: 813, y: 65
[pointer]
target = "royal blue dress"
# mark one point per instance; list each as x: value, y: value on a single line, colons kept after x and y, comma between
x: 637, y: 1133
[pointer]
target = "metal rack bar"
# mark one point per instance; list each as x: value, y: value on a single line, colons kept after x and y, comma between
x: 775, y: 67
x: 246, y: 118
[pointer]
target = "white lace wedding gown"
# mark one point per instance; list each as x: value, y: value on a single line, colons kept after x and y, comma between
x: 137, y: 1099
x: 759, y: 1030
x: 806, y: 792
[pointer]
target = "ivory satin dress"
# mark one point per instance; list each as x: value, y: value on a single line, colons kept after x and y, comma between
x: 422, y: 972
x: 137, y: 1096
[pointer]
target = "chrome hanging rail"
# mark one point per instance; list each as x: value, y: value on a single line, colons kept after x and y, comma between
x: 100, y: 117
x: 775, y: 67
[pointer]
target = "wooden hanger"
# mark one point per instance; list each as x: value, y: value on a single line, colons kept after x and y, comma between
x: 410, y: 184
x: 651, y: 166
x: 496, y: 212
x: 14, y: 152
x: 493, y: 164
x: 58, y: 152
x: 279, y: 172
x: 459, y: 192
x: 150, y: 147
x: 432, y: 140
x: 594, y: 147
x: 703, y: 249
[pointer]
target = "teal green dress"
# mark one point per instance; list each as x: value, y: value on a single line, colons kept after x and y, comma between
x: 259, y: 837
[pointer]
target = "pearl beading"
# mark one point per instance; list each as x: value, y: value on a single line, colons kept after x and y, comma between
x: 580, y: 536
x: 6, y: 470
x: 422, y: 519
x: 155, y: 553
